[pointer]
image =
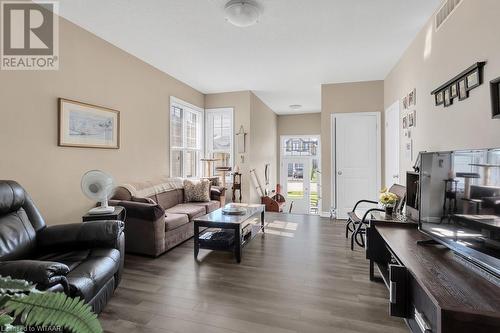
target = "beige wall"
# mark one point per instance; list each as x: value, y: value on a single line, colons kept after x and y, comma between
x: 296, y: 124
x: 240, y: 102
x: 92, y: 71
x: 260, y: 124
x: 433, y: 58
x: 343, y: 98
x: 263, y: 136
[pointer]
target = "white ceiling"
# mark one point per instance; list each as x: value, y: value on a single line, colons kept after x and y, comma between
x: 284, y: 59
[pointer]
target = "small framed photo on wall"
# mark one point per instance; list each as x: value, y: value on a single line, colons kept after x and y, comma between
x: 439, y: 98
x: 473, y: 80
x: 447, y: 97
x: 454, y: 90
x: 462, y: 90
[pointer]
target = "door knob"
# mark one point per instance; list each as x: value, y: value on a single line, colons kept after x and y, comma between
x: 339, y: 173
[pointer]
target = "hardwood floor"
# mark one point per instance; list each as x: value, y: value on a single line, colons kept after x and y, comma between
x: 299, y: 277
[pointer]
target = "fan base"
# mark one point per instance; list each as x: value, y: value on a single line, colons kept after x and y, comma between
x: 102, y: 210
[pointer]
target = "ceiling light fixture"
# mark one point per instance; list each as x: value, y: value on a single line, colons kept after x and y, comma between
x: 295, y: 107
x: 242, y: 13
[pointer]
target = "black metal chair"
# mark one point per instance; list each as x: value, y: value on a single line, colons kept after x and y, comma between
x: 357, y: 225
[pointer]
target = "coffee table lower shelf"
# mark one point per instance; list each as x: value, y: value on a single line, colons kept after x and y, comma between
x: 216, y: 220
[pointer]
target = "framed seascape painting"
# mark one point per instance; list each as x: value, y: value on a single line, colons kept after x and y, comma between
x: 86, y: 125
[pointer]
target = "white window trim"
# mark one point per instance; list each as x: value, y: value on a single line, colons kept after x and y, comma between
x: 183, y: 104
x: 207, y: 141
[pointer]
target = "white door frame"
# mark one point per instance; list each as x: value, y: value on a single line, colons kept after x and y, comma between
x: 318, y: 157
x: 388, y: 182
x: 333, y: 169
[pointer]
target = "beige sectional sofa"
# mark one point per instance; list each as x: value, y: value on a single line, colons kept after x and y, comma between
x: 158, y: 218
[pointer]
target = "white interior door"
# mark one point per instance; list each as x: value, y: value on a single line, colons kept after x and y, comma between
x: 356, y: 144
x: 392, y: 145
x: 296, y: 183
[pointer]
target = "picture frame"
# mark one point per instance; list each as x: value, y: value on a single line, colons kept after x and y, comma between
x: 462, y: 90
x: 473, y: 80
x: 439, y: 98
x: 410, y: 119
x: 86, y: 125
x: 454, y: 90
x: 405, y: 102
x: 447, y: 98
x: 411, y: 98
x: 495, y: 98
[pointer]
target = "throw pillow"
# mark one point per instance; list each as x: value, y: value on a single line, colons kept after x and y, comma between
x: 197, y: 190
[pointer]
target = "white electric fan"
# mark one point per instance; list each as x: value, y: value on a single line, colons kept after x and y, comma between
x: 99, y: 186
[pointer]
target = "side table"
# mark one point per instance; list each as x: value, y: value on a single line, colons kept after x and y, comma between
x: 119, y: 214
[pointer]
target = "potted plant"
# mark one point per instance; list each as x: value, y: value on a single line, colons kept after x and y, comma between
x: 22, y: 307
x: 388, y: 201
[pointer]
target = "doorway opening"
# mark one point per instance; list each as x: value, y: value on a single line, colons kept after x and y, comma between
x: 300, y: 174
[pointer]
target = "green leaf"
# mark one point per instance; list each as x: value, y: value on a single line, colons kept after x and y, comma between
x: 55, y: 309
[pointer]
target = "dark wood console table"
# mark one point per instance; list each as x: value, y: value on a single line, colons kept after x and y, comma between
x: 429, y: 285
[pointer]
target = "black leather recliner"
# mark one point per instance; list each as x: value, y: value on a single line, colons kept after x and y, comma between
x: 81, y: 259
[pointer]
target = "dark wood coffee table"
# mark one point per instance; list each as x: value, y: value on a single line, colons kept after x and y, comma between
x: 217, y: 219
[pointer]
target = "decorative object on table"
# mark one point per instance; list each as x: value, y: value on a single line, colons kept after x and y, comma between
x: 120, y: 214
x: 88, y: 126
x: 447, y: 98
x: 388, y: 200
x: 197, y: 190
x: 405, y: 122
x: 462, y: 90
x: 100, y: 186
x: 236, y: 185
x: 233, y: 210
x: 495, y: 98
x: 460, y: 85
x: 240, y: 139
x: 439, y: 97
x: 43, y: 310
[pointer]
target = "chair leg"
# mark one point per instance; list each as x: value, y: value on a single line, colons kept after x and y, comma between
x: 348, y: 228
x: 355, y: 235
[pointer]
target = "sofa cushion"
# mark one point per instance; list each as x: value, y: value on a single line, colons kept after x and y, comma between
x: 170, y: 198
x: 189, y: 209
x: 197, y: 190
x: 173, y: 221
x: 210, y: 206
x: 90, y: 269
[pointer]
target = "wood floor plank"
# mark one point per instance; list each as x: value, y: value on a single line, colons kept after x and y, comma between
x: 300, y: 276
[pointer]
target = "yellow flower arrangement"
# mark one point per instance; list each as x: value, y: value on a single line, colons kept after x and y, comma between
x: 387, y: 198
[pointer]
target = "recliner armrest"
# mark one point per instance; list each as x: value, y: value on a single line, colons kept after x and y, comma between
x: 80, y: 235
x: 42, y: 273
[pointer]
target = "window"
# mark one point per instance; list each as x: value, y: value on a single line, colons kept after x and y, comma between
x: 219, y: 136
x: 186, y: 139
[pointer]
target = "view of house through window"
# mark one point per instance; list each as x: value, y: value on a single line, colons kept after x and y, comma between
x: 300, y: 174
x: 186, y: 139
